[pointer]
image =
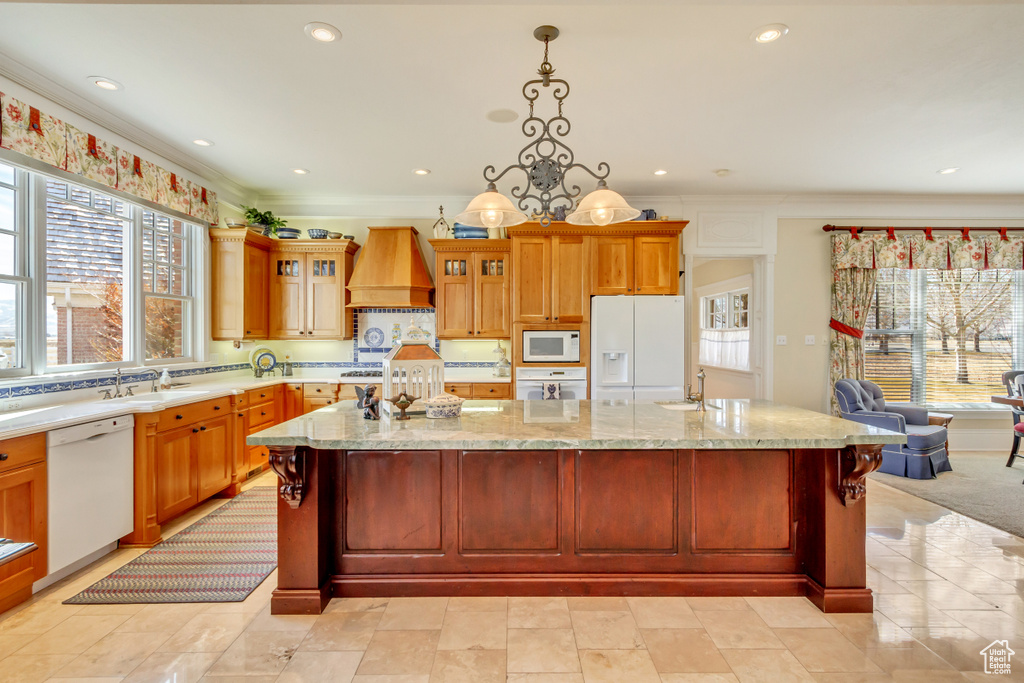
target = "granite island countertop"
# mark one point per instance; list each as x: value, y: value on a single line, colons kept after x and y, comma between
x: 544, y: 425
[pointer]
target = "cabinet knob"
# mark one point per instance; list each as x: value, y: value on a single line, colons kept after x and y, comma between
x: 556, y: 317
x: 491, y: 390
x: 329, y: 402
x: 471, y: 331
x: 263, y: 395
x: 302, y: 332
x: 547, y: 318
x: 319, y: 390
x: 262, y: 413
x: 203, y: 428
x: 194, y: 430
x: 216, y: 407
x: 248, y: 331
x: 629, y: 289
x: 3, y: 456
x: 179, y: 417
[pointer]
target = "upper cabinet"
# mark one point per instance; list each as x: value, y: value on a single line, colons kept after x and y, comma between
x: 637, y: 264
x: 239, y: 263
x: 551, y: 280
x: 472, y: 284
x: 307, y: 289
x: 279, y: 289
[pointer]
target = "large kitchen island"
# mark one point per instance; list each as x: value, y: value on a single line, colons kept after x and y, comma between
x: 574, y: 498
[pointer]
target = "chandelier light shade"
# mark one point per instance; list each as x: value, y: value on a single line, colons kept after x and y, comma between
x: 544, y: 162
x: 602, y: 207
x: 491, y: 209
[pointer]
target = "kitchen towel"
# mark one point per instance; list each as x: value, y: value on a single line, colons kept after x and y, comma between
x: 552, y: 391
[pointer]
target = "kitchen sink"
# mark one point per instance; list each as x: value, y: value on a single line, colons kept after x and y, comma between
x: 684, y: 405
x: 160, y: 396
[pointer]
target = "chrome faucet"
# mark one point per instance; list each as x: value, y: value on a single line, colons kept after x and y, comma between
x: 153, y: 388
x: 698, y: 398
x: 117, y: 383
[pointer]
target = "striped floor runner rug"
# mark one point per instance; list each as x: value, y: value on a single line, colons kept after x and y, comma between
x: 221, y: 558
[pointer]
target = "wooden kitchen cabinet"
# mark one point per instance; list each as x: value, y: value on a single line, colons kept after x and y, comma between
x: 480, y: 390
x: 472, y: 289
x: 316, y: 396
x: 23, y: 514
x: 239, y: 263
x: 214, y: 459
x: 642, y: 264
x: 292, y: 401
x: 308, y: 292
x: 193, y: 462
x: 551, y: 279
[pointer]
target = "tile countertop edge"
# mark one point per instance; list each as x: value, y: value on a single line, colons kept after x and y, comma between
x: 49, y: 417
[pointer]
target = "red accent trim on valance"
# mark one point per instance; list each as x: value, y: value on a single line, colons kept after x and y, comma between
x: 33, y: 121
x: 1002, y: 235
x: 892, y: 233
x: 966, y: 233
x: 137, y: 166
x: 204, y: 197
x: 853, y: 233
x: 928, y: 235
x: 845, y: 329
x: 93, y: 149
x: 174, y: 182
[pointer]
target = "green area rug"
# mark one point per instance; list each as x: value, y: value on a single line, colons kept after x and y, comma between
x: 221, y: 558
x: 980, y: 486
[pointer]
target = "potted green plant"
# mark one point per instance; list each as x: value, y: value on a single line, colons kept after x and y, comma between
x: 265, y: 219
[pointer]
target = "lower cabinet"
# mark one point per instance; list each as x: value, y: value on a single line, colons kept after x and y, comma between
x: 496, y: 391
x: 192, y: 463
x: 23, y: 514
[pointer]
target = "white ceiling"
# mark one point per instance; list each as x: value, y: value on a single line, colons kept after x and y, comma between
x: 858, y: 98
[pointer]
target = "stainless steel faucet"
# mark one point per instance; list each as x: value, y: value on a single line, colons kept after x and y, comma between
x: 698, y: 398
x: 153, y: 388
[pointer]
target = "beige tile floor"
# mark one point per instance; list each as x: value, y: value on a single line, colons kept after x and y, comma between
x: 946, y: 586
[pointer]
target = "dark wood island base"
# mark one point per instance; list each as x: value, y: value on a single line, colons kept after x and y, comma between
x: 572, y: 522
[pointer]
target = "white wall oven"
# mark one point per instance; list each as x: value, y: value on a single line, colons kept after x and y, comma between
x: 566, y: 384
x: 551, y: 346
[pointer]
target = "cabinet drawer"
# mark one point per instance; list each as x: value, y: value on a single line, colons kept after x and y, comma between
x: 262, y: 414
x: 260, y: 395
x: 194, y: 412
x: 241, y: 400
x: 24, y: 450
x: 492, y: 391
x: 463, y: 389
x: 319, y: 390
x: 346, y: 391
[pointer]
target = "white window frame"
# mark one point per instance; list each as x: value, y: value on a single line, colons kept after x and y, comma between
x: 729, y: 288
x: 21, y: 276
x: 32, y: 221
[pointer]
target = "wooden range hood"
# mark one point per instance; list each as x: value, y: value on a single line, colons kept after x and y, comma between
x: 390, y: 272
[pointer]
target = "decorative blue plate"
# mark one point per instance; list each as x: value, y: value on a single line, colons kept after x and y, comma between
x: 373, y: 337
x: 266, y: 361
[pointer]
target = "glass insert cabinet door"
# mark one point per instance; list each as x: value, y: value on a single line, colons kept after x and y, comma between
x: 324, y: 296
x: 287, y: 296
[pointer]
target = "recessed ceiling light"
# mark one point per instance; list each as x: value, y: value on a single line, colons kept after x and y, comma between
x: 421, y: 171
x: 502, y: 116
x: 105, y: 83
x: 722, y: 172
x: 947, y: 171
x: 767, y: 34
x: 660, y: 171
x: 202, y: 142
x: 300, y: 171
x: 321, y: 32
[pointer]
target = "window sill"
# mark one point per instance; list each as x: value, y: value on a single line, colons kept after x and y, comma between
x: 74, y: 375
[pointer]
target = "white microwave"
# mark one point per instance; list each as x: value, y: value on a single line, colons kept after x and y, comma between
x: 551, y: 346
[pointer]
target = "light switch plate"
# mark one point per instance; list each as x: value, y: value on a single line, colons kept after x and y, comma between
x: 809, y: 340
x: 13, y: 404
x: 780, y: 340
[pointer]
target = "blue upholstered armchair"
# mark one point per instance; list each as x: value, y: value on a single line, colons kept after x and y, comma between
x: 923, y: 456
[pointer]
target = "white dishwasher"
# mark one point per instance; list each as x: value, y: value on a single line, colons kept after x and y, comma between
x: 90, y: 472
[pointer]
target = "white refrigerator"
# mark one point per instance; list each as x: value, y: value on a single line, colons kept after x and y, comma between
x: 636, y: 347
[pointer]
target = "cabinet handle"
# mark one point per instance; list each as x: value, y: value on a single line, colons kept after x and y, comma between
x: 629, y: 289
x: 248, y: 331
x: 262, y: 413
x: 203, y: 428
x: 556, y: 317
x: 3, y: 456
x: 263, y: 395
x: 319, y: 390
x: 302, y: 332
x: 471, y: 331
x: 194, y: 430
x: 216, y: 407
x: 179, y: 417
x: 329, y: 402
x: 241, y: 415
x: 546, y: 318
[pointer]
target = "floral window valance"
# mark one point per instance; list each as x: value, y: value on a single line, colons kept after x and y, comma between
x: 26, y: 130
x: 944, y: 251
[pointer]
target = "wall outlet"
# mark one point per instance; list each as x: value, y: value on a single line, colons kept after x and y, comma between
x: 809, y: 340
x: 780, y: 340
x: 13, y: 404
x: 465, y: 354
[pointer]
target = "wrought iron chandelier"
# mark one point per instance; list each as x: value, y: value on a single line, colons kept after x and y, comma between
x: 545, y: 161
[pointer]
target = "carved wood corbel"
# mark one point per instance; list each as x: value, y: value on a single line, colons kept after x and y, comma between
x: 857, y: 462
x: 289, y: 463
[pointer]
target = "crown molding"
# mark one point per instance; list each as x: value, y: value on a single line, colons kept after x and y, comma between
x: 46, y: 87
x: 914, y: 206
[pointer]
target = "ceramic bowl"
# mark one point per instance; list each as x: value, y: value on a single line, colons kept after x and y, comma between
x: 234, y: 222
x: 334, y: 235
x: 443, y: 405
x: 316, y: 234
x: 288, y: 233
x: 350, y: 237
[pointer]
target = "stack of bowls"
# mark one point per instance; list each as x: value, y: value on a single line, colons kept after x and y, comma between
x: 467, y: 232
x: 288, y: 233
x: 317, y: 234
